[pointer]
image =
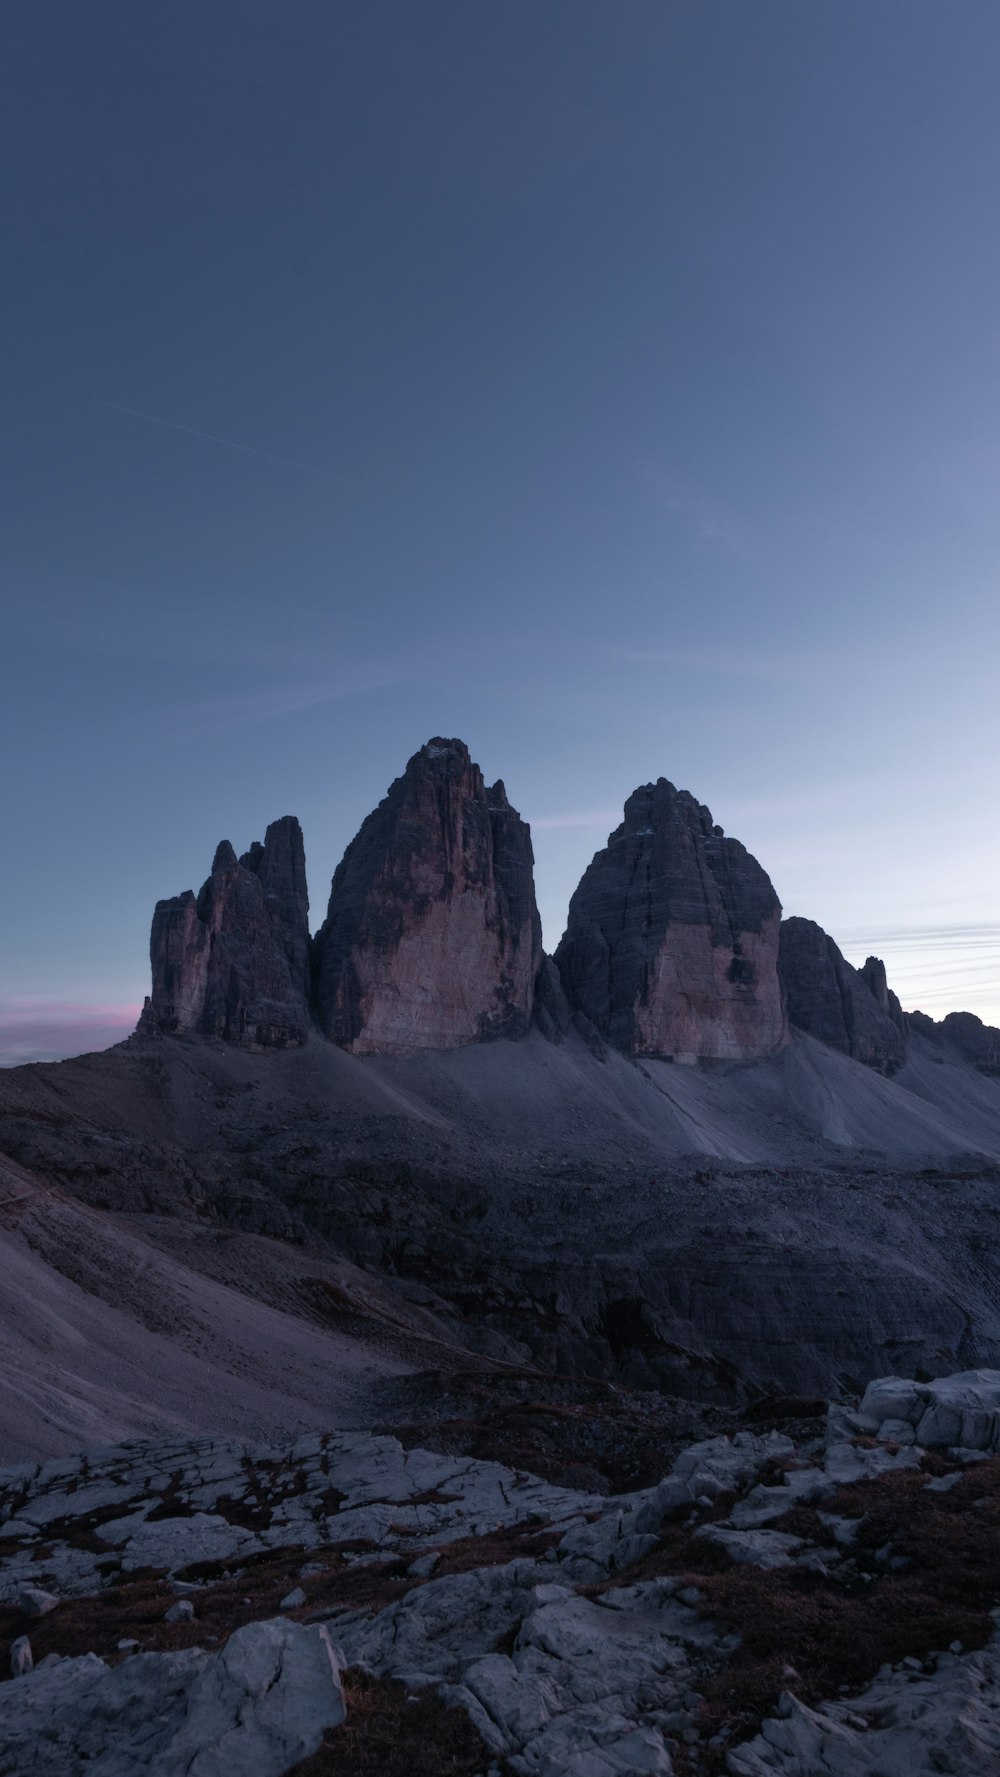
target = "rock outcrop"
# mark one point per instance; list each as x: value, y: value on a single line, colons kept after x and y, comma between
x: 261, y: 1703
x: 848, y: 1008
x: 233, y: 961
x: 432, y: 939
x: 966, y: 1035
x: 873, y: 974
x: 672, y: 942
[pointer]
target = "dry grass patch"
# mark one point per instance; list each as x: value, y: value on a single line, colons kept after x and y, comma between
x: 393, y: 1732
x: 229, y: 1598
x: 836, y: 1630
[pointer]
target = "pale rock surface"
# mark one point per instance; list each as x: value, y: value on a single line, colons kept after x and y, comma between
x: 560, y: 1684
x: 432, y: 939
x: 941, y: 1724
x: 21, y: 1658
x: 211, y: 1482
x: 233, y: 962
x: 961, y: 1411
x: 671, y: 946
x: 261, y: 1703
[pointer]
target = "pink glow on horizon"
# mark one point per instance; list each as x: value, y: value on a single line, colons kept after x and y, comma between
x: 36, y: 1027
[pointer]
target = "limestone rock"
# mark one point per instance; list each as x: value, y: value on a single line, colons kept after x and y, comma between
x: 36, y: 1602
x: 965, y: 1034
x: 672, y: 942
x: 873, y: 974
x: 260, y: 1704
x: 961, y: 1411
x: 831, y: 1000
x: 432, y: 939
x: 553, y: 1012
x: 906, y: 1724
x: 21, y: 1659
x: 233, y: 962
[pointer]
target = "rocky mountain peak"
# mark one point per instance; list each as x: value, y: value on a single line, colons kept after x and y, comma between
x: 851, y: 1009
x: 873, y: 975
x: 672, y: 942
x: 432, y: 937
x: 233, y: 962
x: 225, y: 857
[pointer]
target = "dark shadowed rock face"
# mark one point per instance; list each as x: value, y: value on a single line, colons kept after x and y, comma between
x: 233, y: 962
x: 672, y: 942
x: 432, y: 938
x: 975, y: 1041
x: 873, y: 974
x: 964, y: 1033
x: 848, y: 1008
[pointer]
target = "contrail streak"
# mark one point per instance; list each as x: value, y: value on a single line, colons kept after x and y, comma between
x: 230, y: 443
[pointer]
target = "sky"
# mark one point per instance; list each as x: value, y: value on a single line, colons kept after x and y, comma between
x: 614, y: 386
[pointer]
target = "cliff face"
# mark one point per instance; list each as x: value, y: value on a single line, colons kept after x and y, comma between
x: 851, y: 1009
x: 432, y: 938
x: 233, y: 962
x: 873, y: 975
x: 671, y: 947
x: 965, y: 1034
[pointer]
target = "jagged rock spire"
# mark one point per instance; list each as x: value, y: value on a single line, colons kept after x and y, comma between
x: 851, y: 1009
x: 432, y: 938
x: 233, y: 962
x: 672, y: 942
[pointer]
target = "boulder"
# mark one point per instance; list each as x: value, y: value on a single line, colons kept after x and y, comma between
x: 671, y: 947
x: 960, y: 1412
x: 906, y: 1724
x: 836, y: 1003
x: 36, y: 1602
x: 432, y: 939
x: 260, y: 1704
x: 233, y: 961
x: 21, y: 1658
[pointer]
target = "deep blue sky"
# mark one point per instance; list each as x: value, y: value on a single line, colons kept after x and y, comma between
x: 614, y: 385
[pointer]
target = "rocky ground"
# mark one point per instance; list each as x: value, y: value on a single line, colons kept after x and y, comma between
x: 817, y: 1594
x: 272, y: 1235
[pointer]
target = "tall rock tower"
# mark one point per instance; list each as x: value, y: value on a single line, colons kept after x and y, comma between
x: 233, y: 962
x: 432, y: 939
x: 671, y: 947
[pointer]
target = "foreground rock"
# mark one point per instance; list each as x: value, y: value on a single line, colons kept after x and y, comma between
x: 848, y: 1008
x: 233, y: 962
x: 260, y: 1704
x: 960, y: 1412
x: 907, y: 1724
x: 578, y: 1634
x: 432, y: 939
x: 672, y: 942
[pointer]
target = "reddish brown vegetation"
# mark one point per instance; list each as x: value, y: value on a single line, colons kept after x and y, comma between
x: 136, y: 1608
x: 393, y: 1732
x: 837, y: 1630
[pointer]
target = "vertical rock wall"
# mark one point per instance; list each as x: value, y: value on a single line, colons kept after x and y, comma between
x: 671, y: 947
x: 432, y: 939
x: 848, y: 1008
x: 233, y: 962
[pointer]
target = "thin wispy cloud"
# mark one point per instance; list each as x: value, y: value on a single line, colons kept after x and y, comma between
x: 774, y: 667
x: 40, y: 1027
x: 601, y: 817
x: 250, y: 450
x: 218, y: 714
x: 700, y: 511
x: 982, y: 937
x: 939, y: 968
